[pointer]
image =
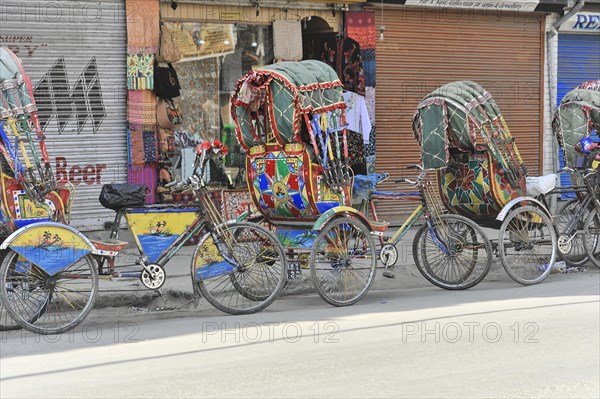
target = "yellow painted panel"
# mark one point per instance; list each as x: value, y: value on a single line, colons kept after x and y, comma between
x: 160, y: 223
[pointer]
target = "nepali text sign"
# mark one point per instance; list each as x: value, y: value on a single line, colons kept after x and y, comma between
x: 508, y: 5
x: 198, y: 41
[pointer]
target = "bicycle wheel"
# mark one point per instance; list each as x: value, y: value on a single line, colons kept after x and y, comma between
x: 452, y: 253
x: 6, y: 322
x: 527, y: 245
x: 571, y: 248
x: 343, y: 261
x: 592, y: 241
x: 253, y: 268
x: 47, y: 304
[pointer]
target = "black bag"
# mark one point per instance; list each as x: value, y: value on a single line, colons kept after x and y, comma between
x: 166, y: 83
x: 118, y: 196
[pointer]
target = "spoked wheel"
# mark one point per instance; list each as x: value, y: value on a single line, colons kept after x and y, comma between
x: 452, y: 253
x: 592, y: 240
x: 527, y: 245
x: 343, y: 261
x: 6, y: 322
x: 244, y: 272
x: 571, y: 247
x: 48, y: 304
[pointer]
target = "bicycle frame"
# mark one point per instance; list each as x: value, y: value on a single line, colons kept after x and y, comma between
x: 419, y: 211
x: 401, y: 232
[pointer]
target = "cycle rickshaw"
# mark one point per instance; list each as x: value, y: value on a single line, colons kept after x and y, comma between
x: 50, y: 273
x: 466, y: 141
x: 28, y: 189
x: 578, y: 221
x: 290, y: 120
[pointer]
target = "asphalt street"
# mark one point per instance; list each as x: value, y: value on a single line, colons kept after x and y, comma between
x: 495, y: 340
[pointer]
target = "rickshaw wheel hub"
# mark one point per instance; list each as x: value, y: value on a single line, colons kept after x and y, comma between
x: 50, y: 283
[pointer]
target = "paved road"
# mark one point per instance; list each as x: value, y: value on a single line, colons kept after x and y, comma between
x: 496, y: 340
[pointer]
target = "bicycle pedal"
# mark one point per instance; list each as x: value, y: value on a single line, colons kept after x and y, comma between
x: 389, y: 275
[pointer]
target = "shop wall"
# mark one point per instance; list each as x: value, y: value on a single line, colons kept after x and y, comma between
x: 242, y: 13
x: 75, y: 55
x: 550, y: 81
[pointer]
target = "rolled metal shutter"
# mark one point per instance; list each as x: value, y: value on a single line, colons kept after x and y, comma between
x: 75, y: 55
x: 426, y: 48
x: 578, y: 62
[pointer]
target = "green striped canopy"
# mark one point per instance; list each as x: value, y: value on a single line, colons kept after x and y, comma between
x: 285, y: 92
x: 453, y: 116
x: 577, y: 115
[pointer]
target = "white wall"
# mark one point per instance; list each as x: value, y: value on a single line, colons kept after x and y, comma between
x: 550, y: 82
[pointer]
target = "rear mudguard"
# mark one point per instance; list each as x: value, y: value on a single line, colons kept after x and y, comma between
x: 50, y: 246
x: 508, y: 207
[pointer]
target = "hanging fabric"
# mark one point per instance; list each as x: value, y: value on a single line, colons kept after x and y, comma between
x: 360, y: 25
x: 143, y: 26
x: 141, y: 106
x: 343, y: 54
x: 140, y: 71
x: 287, y: 40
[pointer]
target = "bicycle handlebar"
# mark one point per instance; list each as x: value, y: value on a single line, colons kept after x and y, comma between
x: 417, y: 180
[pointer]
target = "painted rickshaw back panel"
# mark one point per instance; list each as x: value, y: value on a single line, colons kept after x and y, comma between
x: 290, y: 120
x: 285, y: 184
x: 50, y: 246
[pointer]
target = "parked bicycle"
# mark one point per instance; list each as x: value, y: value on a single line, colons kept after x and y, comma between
x: 450, y: 251
x: 49, y: 277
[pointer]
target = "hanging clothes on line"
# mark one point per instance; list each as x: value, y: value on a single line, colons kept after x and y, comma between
x: 357, y: 115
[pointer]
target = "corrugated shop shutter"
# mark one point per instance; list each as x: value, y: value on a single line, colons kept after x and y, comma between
x: 75, y: 55
x: 578, y: 62
x: 426, y: 48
